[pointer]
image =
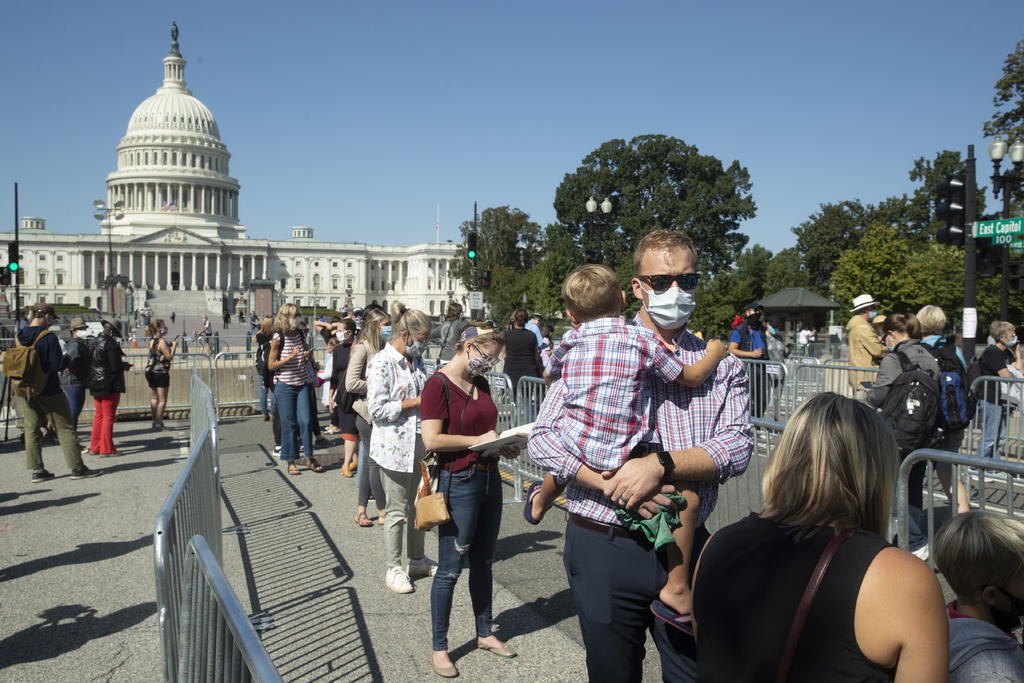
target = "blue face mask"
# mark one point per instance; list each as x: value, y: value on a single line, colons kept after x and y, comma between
x: 385, y: 332
x: 1012, y: 342
x: 414, y: 349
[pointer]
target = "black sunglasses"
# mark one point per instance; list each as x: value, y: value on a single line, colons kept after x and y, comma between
x: 660, y: 283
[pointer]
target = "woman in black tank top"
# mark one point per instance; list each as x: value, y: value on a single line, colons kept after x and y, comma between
x: 833, y: 470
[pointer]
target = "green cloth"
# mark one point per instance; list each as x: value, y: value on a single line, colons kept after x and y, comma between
x: 658, y: 529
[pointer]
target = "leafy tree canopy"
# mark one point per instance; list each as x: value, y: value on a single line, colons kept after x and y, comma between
x: 1008, y: 120
x: 655, y: 181
x: 785, y: 270
x: 825, y: 235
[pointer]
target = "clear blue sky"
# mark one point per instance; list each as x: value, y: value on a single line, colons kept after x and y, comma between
x: 357, y: 118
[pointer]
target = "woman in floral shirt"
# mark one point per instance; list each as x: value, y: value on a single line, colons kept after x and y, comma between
x: 394, y: 381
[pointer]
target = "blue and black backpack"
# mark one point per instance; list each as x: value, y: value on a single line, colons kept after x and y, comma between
x: 956, y: 403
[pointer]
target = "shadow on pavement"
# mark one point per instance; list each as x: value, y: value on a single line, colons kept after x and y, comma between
x: 529, y: 542
x: 295, y: 575
x: 12, y: 495
x: 66, y: 628
x: 33, y: 505
x: 536, y: 615
x: 113, y: 464
x: 84, y: 553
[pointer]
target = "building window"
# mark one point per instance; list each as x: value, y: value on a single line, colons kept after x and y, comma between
x: 60, y: 298
x: 86, y: 301
x: 42, y: 278
x: 349, y: 280
x: 298, y: 282
x: 60, y: 258
x: 42, y: 299
x: 334, y: 304
x: 334, y: 264
x: 316, y: 264
x: 60, y: 277
x: 431, y: 308
x: 316, y: 280
x: 348, y: 264
x: 335, y: 281
x: 42, y: 257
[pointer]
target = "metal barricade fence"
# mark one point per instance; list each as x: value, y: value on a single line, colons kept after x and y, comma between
x: 766, y: 380
x: 235, y: 379
x: 203, y: 412
x: 136, y: 396
x: 998, y: 426
x: 217, y: 642
x: 806, y: 380
x: 530, y: 393
x: 192, y: 507
x: 741, y: 495
x: 504, y: 400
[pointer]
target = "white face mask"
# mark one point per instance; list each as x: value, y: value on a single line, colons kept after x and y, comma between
x: 670, y: 309
x: 341, y: 335
x: 81, y: 334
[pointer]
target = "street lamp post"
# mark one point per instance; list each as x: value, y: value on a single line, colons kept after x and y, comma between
x: 111, y: 279
x: 597, y: 255
x: 1008, y: 185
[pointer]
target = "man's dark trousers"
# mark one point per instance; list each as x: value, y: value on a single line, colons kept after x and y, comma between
x: 613, y: 581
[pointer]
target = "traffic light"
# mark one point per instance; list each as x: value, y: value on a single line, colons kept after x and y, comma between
x: 950, y: 200
x: 13, y: 262
x: 471, y: 252
x: 485, y: 279
x: 5, y: 276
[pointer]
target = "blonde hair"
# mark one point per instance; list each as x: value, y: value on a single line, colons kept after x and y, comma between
x: 413, y: 321
x: 661, y: 240
x: 483, y: 336
x: 1000, y: 328
x: 153, y: 329
x: 932, y: 320
x: 267, y: 326
x: 835, y: 465
x: 285, y: 322
x: 979, y: 549
x: 370, y: 334
x: 592, y: 291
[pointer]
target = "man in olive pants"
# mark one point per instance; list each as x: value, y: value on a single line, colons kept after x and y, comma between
x: 50, y: 404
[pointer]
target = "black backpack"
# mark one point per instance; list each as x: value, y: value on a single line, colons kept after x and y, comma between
x: 956, y: 403
x: 262, y: 353
x: 912, y: 407
x: 79, y: 354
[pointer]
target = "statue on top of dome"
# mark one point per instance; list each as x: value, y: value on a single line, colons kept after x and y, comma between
x: 174, y: 39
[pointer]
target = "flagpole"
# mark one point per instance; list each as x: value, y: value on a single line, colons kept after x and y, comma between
x: 437, y: 225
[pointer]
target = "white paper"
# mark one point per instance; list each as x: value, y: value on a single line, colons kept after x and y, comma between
x: 970, y: 323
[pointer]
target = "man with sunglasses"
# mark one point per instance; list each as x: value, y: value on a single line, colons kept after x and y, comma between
x: 704, y: 437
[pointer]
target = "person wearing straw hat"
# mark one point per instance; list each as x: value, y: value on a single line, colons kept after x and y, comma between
x: 106, y: 384
x: 866, y: 350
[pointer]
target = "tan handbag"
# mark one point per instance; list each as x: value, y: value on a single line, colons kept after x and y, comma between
x: 431, y: 508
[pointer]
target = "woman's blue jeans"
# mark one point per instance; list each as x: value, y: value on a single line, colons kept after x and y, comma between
x: 293, y: 409
x: 468, y: 540
x: 76, y: 399
x: 993, y: 429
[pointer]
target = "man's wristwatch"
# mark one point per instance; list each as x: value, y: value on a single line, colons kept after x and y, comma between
x: 666, y: 461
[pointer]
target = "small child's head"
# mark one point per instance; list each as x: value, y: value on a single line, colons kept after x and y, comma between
x: 981, y: 554
x: 592, y: 291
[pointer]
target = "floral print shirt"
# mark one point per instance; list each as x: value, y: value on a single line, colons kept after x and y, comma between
x: 390, y: 379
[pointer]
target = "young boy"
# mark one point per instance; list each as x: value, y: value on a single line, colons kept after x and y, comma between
x: 602, y: 361
x: 981, y: 554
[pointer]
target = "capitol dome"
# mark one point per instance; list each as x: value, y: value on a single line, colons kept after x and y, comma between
x: 172, y: 167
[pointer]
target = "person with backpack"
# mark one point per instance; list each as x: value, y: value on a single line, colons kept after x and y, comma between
x: 264, y: 378
x: 450, y: 331
x: 992, y: 404
x: 32, y: 369
x: 956, y: 402
x: 747, y: 341
x: 158, y: 370
x: 907, y: 395
x: 106, y: 384
x: 76, y: 368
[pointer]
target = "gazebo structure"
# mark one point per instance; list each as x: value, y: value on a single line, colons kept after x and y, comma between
x: 799, y: 307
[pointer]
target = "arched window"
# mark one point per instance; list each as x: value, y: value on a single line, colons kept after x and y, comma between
x: 431, y: 308
x: 298, y: 282
x: 86, y: 301
x: 42, y: 278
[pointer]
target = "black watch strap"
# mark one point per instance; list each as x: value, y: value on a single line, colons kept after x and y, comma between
x: 666, y: 461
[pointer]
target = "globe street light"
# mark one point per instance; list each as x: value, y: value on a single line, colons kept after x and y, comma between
x: 1008, y: 185
x: 597, y: 255
x: 112, y: 279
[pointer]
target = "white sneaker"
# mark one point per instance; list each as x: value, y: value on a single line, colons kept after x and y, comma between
x: 397, y: 581
x: 422, y: 567
x: 277, y: 450
x: 921, y: 553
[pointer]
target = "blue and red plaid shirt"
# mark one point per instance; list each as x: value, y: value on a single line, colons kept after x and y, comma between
x: 714, y: 417
x: 602, y: 364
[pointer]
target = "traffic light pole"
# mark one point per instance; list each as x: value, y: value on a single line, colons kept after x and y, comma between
x: 970, y: 321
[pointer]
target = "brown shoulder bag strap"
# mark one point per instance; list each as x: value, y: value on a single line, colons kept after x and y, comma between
x: 797, y: 627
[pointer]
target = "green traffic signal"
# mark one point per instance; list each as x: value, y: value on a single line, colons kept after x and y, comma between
x: 12, y: 266
x: 471, y: 254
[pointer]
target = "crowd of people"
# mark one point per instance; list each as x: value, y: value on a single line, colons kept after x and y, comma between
x: 643, y: 421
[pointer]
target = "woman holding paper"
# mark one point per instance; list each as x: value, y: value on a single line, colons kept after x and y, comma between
x: 457, y: 413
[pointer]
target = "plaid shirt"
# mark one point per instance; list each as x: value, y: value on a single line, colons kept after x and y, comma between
x: 602, y: 363
x: 714, y: 417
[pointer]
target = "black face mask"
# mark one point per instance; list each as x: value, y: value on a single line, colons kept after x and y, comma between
x: 1010, y: 619
x: 754, y: 319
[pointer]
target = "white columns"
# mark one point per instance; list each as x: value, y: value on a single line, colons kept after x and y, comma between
x: 216, y: 265
x: 145, y: 282
x: 252, y: 267
x: 206, y: 271
x: 264, y: 259
x: 195, y: 283
x: 131, y: 268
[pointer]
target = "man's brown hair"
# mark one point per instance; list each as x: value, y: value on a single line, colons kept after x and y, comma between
x: 661, y: 240
x: 592, y: 291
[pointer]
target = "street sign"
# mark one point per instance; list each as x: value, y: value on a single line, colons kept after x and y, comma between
x: 476, y: 300
x: 1004, y: 240
x: 1003, y: 226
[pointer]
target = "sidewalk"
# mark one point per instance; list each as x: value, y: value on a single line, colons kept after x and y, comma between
x: 76, y: 560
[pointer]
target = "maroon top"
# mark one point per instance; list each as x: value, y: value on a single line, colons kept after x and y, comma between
x: 480, y: 416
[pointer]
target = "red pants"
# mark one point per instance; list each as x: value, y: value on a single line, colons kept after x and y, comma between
x: 102, y: 441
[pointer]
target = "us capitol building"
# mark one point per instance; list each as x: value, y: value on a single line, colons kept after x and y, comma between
x: 173, y: 234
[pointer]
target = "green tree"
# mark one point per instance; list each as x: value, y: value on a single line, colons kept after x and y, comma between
x: 785, y: 270
x: 655, y: 181
x: 1008, y: 120
x: 560, y: 254
x: 752, y: 272
x: 825, y: 235
x: 719, y: 299
x: 873, y: 267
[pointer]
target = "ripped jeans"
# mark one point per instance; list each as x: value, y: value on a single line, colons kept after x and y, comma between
x: 468, y: 540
